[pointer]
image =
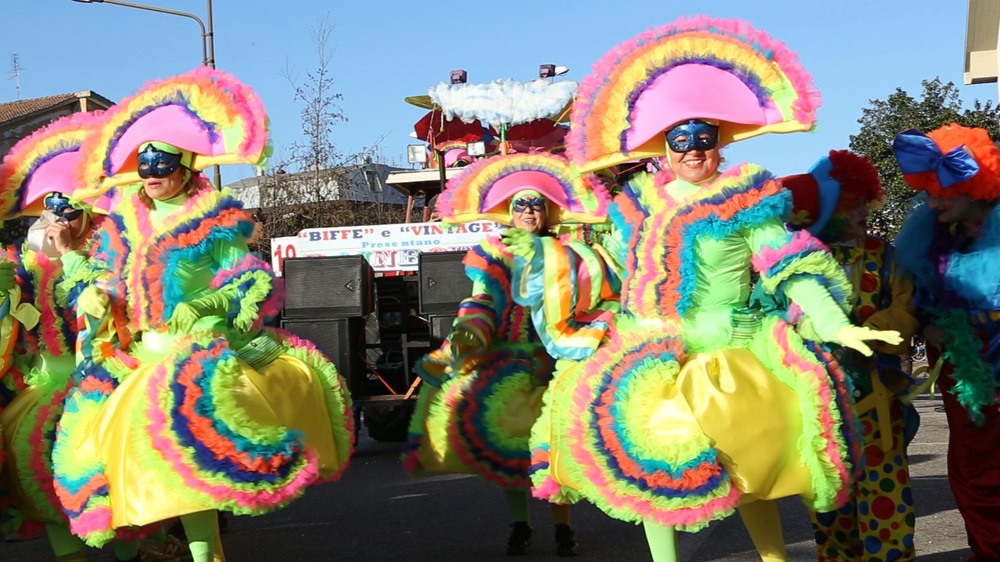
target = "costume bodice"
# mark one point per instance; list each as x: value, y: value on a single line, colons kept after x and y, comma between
x: 159, y: 257
x: 689, y: 248
x: 489, y: 267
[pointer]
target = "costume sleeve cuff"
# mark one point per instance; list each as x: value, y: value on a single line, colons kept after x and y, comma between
x: 71, y: 261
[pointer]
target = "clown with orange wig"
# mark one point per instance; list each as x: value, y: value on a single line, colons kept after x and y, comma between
x: 482, y: 390
x: 184, y: 403
x: 833, y: 201
x: 951, y: 246
x: 696, y: 405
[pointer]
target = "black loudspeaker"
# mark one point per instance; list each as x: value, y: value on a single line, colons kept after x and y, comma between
x: 342, y: 341
x: 327, y: 287
x: 443, y: 283
x: 440, y: 329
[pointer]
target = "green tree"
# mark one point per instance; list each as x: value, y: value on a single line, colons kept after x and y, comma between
x: 939, y: 105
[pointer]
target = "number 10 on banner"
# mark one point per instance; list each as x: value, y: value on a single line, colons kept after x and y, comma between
x: 280, y: 253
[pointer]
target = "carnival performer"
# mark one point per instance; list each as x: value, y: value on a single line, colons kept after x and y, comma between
x: 37, y: 180
x: 833, y: 202
x: 951, y: 246
x: 183, y: 404
x: 13, y: 525
x: 482, y: 390
x: 15, y: 316
x: 696, y: 406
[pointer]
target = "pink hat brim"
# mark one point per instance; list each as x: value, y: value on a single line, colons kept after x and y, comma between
x: 693, y: 91
x: 172, y: 124
x: 55, y: 174
x: 454, y: 155
x: 508, y: 186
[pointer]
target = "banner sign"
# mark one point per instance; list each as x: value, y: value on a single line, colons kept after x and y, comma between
x: 387, y: 247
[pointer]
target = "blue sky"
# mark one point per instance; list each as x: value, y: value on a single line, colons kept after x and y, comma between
x: 385, y: 50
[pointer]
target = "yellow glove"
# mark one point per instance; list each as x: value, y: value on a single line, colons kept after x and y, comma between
x: 854, y: 337
x: 93, y: 301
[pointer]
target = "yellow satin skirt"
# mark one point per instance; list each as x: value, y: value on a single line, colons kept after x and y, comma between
x: 142, y: 490
x: 646, y: 431
x: 480, y: 423
x: 753, y: 420
x: 750, y: 419
x: 27, y: 425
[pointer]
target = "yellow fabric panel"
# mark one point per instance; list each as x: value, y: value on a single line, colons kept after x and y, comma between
x: 752, y: 418
x: 284, y: 393
x: 435, y: 452
x: 11, y: 419
x: 287, y: 393
x: 520, y: 411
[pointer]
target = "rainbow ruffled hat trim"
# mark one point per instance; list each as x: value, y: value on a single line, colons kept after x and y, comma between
x: 205, y: 111
x: 697, y: 68
x: 483, y: 190
x: 44, y: 162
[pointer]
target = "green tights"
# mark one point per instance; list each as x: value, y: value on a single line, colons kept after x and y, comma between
x: 202, y: 530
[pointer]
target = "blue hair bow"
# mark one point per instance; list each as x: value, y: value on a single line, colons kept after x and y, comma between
x: 917, y: 153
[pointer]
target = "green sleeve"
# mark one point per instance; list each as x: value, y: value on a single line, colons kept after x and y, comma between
x: 71, y: 262
x: 826, y: 315
x: 766, y: 234
x: 228, y: 253
x: 480, y: 288
x: 244, y: 281
x: 477, y: 314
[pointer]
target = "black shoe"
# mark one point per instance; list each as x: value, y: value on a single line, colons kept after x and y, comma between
x: 565, y: 543
x: 177, y: 530
x: 520, y: 537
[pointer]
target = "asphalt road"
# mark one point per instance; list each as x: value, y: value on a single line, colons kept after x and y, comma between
x: 377, y: 512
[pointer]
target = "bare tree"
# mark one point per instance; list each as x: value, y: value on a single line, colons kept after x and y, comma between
x: 318, y: 185
x: 321, y: 109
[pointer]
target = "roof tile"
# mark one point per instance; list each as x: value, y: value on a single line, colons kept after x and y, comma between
x: 13, y: 109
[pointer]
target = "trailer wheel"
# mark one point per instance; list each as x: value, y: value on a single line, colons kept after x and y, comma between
x: 388, y: 422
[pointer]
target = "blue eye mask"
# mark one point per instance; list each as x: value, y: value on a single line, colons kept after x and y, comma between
x: 155, y: 163
x: 693, y: 135
x: 60, y: 206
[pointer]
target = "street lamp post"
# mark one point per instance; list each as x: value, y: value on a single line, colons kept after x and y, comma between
x: 210, y: 36
x: 207, y: 39
x: 207, y: 34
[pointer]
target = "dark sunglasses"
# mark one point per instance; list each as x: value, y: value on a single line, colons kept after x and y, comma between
x: 693, y: 135
x: 521, y: 205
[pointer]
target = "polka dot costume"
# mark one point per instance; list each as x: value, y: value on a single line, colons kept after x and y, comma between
x: 876, y: 525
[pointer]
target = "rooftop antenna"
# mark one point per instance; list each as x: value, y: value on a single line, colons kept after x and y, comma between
x: 15, y: 73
